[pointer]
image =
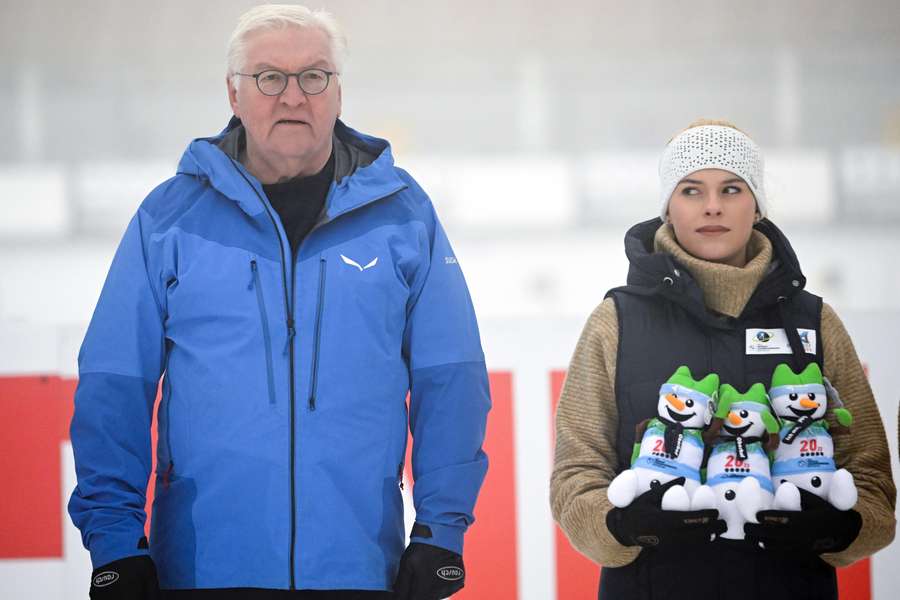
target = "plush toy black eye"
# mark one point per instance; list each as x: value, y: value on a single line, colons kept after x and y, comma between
x: 744, y: 414
x: 792, y: 396
x: 655, y: 484
x: 812, y: 396
x: 730, y: 495
x: 784, y: 481
x: 689, y: 403
x: 816, y: 482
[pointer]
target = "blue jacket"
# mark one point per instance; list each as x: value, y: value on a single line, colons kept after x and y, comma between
x: 283, y: 421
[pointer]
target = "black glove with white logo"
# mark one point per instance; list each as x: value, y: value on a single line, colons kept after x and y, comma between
x: 644, y: 523
x: 132, y: 578
x: 429, y: 573
x: 818, y: 527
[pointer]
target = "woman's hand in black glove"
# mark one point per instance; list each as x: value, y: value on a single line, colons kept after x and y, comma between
x: 818, y: 527
x: 429, y: 573
x: 645, y: 523
x: 132, y: 578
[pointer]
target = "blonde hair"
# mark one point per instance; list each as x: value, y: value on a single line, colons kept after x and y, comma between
x: 279, y: 16
x: 704, y: 122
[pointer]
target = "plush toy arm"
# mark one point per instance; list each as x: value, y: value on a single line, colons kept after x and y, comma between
x: 770, y: 422
x: 635, y: 452
x: 639, y: 430
x: 843, y: 417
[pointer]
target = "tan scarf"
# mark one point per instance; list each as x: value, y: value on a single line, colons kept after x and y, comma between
x: 726, y: 289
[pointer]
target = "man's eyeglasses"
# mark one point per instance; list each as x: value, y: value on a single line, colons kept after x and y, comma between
x: 273, y: 82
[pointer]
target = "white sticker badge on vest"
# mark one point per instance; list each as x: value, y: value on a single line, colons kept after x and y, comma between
x: 775, y: 341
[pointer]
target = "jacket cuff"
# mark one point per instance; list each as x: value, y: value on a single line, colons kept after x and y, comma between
x: 442, y: 536
x: 106, y: 548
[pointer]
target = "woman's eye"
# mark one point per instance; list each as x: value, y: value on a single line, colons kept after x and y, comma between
x: 689, y: 191
x: 731, y: 189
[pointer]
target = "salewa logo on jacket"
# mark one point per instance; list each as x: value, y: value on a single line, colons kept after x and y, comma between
x: 353, y: 263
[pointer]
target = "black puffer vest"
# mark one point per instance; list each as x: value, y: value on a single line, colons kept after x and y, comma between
x: 663, y: 323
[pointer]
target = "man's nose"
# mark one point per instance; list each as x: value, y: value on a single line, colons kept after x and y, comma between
x: 293, y: 95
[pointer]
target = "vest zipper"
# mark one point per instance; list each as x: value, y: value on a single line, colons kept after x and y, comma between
x: 314, y: 383
x: 267, y: 338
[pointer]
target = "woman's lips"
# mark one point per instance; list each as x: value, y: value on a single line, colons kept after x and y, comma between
x: 713, y: 229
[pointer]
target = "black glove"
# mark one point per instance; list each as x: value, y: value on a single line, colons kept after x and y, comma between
x: 429, y: 573
x: 818, y: 527
x: 645, y: 523
x: 132, y: 578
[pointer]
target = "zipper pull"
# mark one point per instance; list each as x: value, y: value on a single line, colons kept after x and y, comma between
x: 400, y: 475
x: 291, y: 332
x: 312, y: 403
x: 253, y: 274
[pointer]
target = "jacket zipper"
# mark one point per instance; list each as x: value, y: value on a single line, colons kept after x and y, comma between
x: 314, y: 383
x: 291, y: 332
x: 289, y: 310
x: 267, y: 338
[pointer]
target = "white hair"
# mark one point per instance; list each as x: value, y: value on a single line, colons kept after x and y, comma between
x: 279, y: 16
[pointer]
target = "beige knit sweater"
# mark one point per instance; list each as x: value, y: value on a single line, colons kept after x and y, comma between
x: 587, y: 416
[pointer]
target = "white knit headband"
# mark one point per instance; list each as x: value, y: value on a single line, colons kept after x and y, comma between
x: 711, y: 147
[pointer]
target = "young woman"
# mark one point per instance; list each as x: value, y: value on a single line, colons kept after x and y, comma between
x: 710, y: 269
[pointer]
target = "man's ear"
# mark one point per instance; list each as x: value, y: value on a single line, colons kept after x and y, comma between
x: 232, y: 95
x: 340, y: 100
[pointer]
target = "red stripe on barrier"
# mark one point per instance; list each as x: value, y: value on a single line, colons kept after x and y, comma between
x: 490, y: 551
x: 34, y: 420
x: 576, y: 576
x: 855, y: 581
x: 151, y: 484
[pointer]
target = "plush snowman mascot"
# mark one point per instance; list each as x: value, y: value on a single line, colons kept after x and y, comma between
x: 670, y: 445
x: 738, y: 480
x: 805, y: 456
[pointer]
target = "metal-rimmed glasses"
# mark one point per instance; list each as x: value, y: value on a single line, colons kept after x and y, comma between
x: 273, y: 82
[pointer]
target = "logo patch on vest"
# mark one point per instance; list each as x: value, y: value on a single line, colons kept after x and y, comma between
x: 775, y: 341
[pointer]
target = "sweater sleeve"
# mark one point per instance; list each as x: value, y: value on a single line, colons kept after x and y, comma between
x: 862, y: 450
x: 586, y: 427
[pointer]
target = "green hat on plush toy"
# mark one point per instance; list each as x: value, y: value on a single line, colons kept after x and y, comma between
x: 810, y: 380
x: 784, y: 375
x: 754, y: 400
x: 708, y: 386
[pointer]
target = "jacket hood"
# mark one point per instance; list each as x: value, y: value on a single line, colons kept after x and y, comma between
x: 659, y: 273
x: 364, y: 169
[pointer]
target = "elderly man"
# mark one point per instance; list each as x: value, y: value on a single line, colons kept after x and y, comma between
x: 290, y: 285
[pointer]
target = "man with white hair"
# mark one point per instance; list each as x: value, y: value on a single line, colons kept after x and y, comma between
x: 290, y: 286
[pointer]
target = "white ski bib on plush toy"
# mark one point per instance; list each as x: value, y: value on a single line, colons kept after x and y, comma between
x: 811, y: 450
x: 653, y: 454
x: 724, y: 465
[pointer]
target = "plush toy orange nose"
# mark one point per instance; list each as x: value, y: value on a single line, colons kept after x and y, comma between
x: 734, y: 419
x: 678, y: 404
x: 807, y: 403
